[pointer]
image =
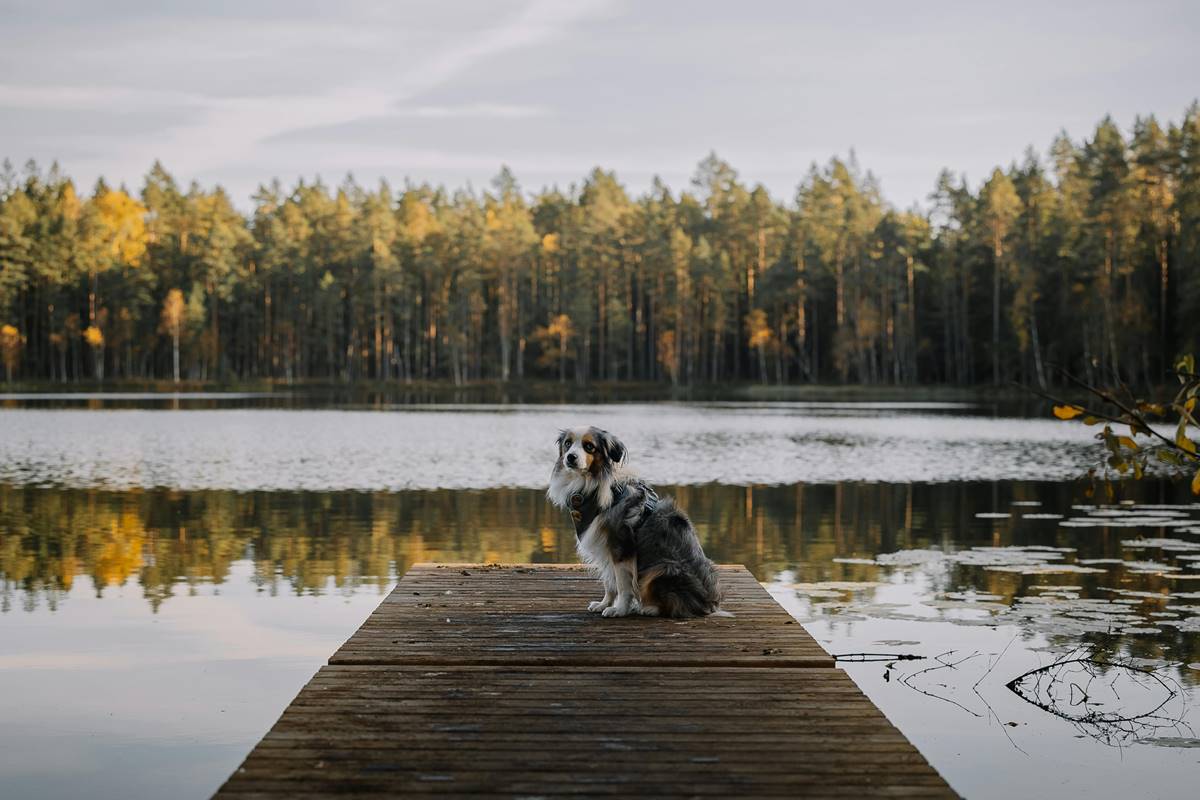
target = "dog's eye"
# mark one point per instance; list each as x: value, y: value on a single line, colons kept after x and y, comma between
x: 589, y: 447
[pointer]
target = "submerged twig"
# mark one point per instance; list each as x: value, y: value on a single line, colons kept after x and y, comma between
x: 1063, y: 688
x: 942, y: 664
x: 869, y: 657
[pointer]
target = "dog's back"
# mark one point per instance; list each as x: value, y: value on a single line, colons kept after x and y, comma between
x: 673, y: 571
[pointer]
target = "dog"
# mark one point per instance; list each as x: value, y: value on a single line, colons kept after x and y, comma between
x: 644, y: 549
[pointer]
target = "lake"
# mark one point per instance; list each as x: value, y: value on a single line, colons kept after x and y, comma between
x: 173, y: 570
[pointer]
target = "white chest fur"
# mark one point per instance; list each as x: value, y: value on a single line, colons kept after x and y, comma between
x: 593, y: 550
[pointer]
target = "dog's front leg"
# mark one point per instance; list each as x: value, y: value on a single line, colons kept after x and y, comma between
x: 628, y: 600
x: 610, y: 594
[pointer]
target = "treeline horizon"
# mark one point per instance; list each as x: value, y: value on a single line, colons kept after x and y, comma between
x: 1084, y: 259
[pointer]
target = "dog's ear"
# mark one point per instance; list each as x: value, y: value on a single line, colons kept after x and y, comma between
x: 614, y: 449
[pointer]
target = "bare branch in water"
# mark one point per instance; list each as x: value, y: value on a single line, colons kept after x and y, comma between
x: 868, y: 657
x: 1065, y: 689
x: 942, y: 664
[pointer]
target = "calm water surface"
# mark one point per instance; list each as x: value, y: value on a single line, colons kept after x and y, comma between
x: 170, y: 578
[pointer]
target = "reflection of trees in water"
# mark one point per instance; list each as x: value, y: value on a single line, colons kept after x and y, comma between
x: 297, y: 542
x: 305, y: 541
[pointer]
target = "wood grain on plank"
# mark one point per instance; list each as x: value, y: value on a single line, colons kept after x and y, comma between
x: 494, y: 681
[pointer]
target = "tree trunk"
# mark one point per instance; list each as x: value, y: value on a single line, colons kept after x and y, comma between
x: 997, y: 250
x: 1037, y: 350
x: 910, y: 279
x: 1163, y: 275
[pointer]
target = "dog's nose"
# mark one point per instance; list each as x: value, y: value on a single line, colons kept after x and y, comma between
x: 570, y: 459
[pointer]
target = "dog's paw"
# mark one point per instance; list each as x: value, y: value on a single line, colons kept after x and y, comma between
x: 649, y: 611
x: 619, y: 609
x: 597, y: 605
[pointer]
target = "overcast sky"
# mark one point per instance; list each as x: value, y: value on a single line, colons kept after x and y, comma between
x: 238, y: 92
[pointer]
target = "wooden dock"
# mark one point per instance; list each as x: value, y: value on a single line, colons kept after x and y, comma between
x: 493, y: 680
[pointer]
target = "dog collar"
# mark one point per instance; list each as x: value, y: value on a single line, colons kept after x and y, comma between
x: 584, y: 510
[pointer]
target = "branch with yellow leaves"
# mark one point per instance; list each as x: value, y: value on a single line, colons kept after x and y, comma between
x: 1120, y: 407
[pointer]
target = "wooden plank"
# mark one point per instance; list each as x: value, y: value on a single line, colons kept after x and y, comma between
x: 672, y: 732
x: 495, y: 681
x: 536, y: 616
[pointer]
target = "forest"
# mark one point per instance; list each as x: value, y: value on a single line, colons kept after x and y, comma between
x: 1084, y: 258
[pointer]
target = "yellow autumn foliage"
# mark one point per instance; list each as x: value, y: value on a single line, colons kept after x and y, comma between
x: 10, y: 348
x: 1067, y: 412
x: 419, y: 221
x: 122, y: 227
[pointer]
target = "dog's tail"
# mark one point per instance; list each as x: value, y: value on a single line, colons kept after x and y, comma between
x: 679, y: 592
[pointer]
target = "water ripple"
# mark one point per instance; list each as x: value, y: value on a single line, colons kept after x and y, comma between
x: 464, y: 448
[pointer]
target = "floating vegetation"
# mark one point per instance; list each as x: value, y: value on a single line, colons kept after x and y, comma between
x: 1134, y: 592
x: 1124, y: 522
x: 1171, y: 741
x: 908, y: 558
x: 1043, y: 569
x: 1025, y: 560
x: 1129, y: 516
x: 1172, y: 545
x: 971, y: 596
x: 1187, y: 625
x: 1137, y: 511
x: 1045, y: 590
x: 831, y: 589
x: 1151, y: 567
x: 966, y: 605
x: 1071, y: 616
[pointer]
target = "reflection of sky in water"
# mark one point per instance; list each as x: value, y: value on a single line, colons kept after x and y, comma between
x: 148, y: 637
x: 103, y: 700
x: 454, y: 448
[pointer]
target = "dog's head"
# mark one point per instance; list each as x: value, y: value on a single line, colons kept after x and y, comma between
x: 590, y: 452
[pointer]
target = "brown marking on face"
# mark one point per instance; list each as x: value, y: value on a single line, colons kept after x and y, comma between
x: 593, y: 460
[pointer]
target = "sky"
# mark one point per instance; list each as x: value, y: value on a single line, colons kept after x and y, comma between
x: 236, y: 93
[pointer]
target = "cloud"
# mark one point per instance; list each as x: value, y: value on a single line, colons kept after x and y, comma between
x: 222, y: 128
x: 537, y: 22
x: 79, y: 98
x: 474, y: 110
x: 235, y: 127
x: 445, y: 92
